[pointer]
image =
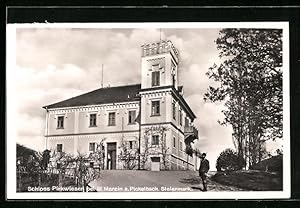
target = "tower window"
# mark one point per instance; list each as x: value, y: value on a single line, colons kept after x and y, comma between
x: 186, y: 122
x: 59, y: 147
x: 155, y: 78
x: 180, y: 117
x: 131, y: 117
x: 92, y: 146
x: 173, y: 74
x: 60, y: 122
x: 174, y: 110
x: 180, y: 146
x: 112, y: 119
x: 155, y: 140
x: 174, y: 142
x: 155, y: 108
x: 93, y: 119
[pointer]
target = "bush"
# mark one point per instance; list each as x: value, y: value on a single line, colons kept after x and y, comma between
x: 273, y: 164
x: 228, y: 160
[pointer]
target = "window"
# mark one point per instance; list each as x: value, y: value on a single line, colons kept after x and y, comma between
x: 60, y: 122
x: 174, y: 110
x: 155, y: 78
x: 112, y: 119
x: 180, y: 117
x: 93, y: 120
x: 130, y: 144
x: 155, y: 140
x: 131, y: 117
x: 180, y: 146
x: 186, y: 122
x: 155, y: 108
x: 173, y: 74
x: 174, y: 142
x: 59, y: 147
x: 92, y: 146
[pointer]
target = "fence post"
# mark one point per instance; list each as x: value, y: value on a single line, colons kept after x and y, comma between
x: 39, y: 178
x: 60, y: 180
x: 19, y: 188
x: 76, y: 181
x: 84, y: 185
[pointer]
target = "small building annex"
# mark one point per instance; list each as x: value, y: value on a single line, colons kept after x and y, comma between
x: 151, y: 118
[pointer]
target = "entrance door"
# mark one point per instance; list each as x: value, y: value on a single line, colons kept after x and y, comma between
x: 111, y: 155
x: 155, y: 163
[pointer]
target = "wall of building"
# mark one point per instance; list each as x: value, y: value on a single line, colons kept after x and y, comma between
x: 177, y: 158
x: 66, y: 141
x: 69, y: 121
x: 165, y: 64
x: 77, y: 120
x: 146, y: 106
x: 80, y: 144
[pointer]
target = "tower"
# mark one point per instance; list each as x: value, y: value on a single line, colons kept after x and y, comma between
x: 159, y: 65
x: 159, y: 102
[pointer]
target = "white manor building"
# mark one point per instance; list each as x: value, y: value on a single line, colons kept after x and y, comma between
x: 152, y: 117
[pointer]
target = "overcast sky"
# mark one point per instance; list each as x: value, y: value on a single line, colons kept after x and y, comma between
x: 56, y: 64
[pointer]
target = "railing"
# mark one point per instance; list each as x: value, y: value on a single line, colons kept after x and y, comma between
x: 158, y: 48
x: 191, y: 130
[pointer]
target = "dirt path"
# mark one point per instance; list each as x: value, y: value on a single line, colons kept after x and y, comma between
x: 123, y: 180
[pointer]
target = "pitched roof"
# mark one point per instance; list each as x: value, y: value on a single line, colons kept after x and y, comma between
x: 102, y: 96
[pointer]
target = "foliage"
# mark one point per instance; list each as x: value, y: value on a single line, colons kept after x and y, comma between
x: 62, y: 164
x: 197, y: 152
x: 99, y: 154
x: 250, y: 85
x: 128, y: 155
x: 158, y: 150
x: 272, y: 164
x: 228, y: 160
x: 188, y: 149
x: 279, y: 152
x: 84, y: 171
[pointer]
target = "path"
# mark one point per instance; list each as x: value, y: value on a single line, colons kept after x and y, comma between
x: 185, y: 180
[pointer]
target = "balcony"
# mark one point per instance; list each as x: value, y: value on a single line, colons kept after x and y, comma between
x: 190, y: 134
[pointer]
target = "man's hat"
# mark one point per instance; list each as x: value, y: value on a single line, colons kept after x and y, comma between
x: 203, y: 154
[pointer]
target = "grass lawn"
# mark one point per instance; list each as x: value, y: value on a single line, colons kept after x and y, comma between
x: 254, y: 180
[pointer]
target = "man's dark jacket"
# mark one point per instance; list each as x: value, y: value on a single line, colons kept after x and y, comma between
x: 204, y: 166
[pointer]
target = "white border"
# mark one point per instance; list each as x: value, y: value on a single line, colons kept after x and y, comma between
x: 11, y: 133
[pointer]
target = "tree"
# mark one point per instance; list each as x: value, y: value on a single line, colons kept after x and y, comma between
x: 250, y: 86
x: 84, y: 167
x: 228, y: 160
x: 128, y: 155
x: 98, y: 155
x: 84, y: 171
x: 45, y: 159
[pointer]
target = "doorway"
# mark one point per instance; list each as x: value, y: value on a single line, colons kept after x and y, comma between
x: 155, y: 163
x: 111, y: 155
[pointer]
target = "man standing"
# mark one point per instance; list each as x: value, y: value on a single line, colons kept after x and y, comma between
x: 204, y: 167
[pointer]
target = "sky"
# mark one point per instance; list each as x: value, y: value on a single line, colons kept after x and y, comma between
x: 54, y: 64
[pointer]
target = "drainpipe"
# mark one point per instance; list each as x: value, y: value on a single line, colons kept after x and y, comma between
x: 47, y: 121
x: 139, y: 147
